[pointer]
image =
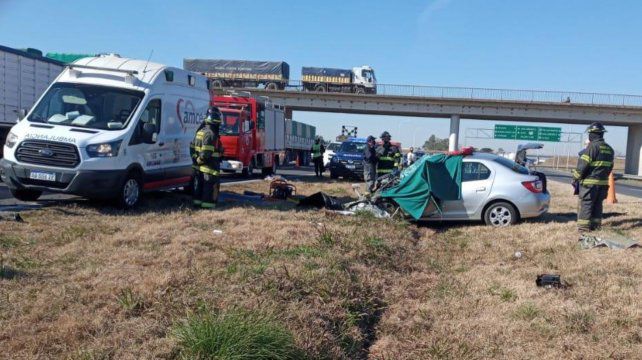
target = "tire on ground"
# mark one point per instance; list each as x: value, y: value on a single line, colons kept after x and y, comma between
x: 500, y: 214
x: 131, y: 191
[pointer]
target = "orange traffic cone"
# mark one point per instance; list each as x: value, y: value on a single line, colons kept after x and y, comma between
x: 610, y: 198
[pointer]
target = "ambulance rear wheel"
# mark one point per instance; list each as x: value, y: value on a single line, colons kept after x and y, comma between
x: 26, y: 194
x: 319, y: 88
x: 271, y: 86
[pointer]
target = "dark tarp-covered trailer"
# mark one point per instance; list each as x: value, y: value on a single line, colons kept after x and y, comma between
x: 239, y: 69
x: 314, y: 75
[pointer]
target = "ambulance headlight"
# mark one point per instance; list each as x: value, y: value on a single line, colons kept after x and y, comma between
x: 11, y: 141
x: 109, y: 149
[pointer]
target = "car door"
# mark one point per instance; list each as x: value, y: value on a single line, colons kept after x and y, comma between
x: 150, y: 150
x: 476, y: 183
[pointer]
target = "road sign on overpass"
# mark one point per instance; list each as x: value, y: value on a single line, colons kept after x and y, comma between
x: 534, y: 133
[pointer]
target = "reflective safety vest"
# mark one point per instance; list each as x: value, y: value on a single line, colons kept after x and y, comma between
x: 316, y: 151
x: 389, y: 158
x: 595, y: 164
x: 208, y: 150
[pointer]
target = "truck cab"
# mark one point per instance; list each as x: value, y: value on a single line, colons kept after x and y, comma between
x: 107, y: 127
x: 364, y: 76
x: 252, y: 133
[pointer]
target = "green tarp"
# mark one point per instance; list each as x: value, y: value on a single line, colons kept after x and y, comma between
x: 437, y: 176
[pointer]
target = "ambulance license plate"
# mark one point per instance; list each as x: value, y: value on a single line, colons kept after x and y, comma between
x: 42, y: 175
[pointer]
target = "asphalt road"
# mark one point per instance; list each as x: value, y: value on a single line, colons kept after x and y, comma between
x: 620, y: 189
x: 8, y: 203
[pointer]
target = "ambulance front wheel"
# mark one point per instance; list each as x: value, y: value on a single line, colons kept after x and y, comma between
x: 131, y: 191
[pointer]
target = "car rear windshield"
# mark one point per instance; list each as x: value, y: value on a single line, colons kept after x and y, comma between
x: 512, y: 165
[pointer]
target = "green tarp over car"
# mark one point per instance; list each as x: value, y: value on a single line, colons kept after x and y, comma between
x: 437, y: 176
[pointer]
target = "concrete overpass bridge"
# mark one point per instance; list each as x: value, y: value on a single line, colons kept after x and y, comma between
x: 478, y: 103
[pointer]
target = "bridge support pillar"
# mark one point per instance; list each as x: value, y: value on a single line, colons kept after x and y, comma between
x: 633, y: 162
x: 288, y: 113
x: 453, y: 139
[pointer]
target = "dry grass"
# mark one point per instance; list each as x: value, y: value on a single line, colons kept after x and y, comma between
x: 82, y: 281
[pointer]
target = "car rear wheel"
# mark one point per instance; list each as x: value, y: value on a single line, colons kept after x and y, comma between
x: 500, y: 214
x: 26, y: 194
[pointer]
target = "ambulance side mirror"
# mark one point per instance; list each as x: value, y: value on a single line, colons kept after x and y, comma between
x: 21, y: 113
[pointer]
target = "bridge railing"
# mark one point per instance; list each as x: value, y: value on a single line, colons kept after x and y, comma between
x: 500, y: 94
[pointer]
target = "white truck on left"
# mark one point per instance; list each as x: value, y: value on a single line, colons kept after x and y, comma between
x: 107, y: 127
x: 24, y: 76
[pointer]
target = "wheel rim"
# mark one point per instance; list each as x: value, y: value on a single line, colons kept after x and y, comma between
x: 500, y: 216
x: 131, y: 192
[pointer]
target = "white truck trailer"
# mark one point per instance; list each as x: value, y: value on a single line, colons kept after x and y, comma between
x: 24, y: 76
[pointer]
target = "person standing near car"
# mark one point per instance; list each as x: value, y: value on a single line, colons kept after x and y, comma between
x: 410, y: 157
x: 317, y: 156
x: 592, y: 174
x: 370, y: 163
x: 388, y: 156
x: 208, y: 150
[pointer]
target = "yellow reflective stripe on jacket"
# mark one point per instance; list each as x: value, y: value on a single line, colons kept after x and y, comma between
x: 606, y: 149
x: 384, y: 171
x: 386, y: 158
x: 601, y: 163
x: 594, y: 182
x: 586, y: 158
x: 207, y: 170
x: 208, y: 147
x: 576, y: 174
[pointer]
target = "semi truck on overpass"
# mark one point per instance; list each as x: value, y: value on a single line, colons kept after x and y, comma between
x: 275, y: 75
x: 24, y: 76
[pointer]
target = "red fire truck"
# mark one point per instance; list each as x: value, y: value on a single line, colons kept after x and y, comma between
x: 256, y: 135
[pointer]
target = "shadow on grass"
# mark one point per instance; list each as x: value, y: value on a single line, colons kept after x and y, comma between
x: 8, y: 273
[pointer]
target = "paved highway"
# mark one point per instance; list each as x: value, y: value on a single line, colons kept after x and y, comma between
x: 620, y: 189
x: 8, y: 203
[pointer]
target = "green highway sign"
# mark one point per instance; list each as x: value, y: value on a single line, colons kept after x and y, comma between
x: 550, y: 134
x: 534, y: 133
x: 505, y: 131
x: 527, y: 133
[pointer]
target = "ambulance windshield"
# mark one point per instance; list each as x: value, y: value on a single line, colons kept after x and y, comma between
x: 86, y: 106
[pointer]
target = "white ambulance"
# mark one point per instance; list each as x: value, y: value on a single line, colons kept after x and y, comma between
x: 107, y: 127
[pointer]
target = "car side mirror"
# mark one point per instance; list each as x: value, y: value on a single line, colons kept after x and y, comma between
x: 149, y: 133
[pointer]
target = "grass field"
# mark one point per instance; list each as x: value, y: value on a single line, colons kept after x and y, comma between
x: 86, y: 281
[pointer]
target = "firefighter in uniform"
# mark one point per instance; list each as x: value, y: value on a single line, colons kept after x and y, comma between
x: 388, y: 156
x: 370, y: 163
x: 592, y: 173
x: 317, y: 156
x: 208, y: 151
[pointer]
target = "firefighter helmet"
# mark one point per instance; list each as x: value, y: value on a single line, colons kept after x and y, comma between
x: 596, y: 127
x: 213, y: 115
x: 385, y: 134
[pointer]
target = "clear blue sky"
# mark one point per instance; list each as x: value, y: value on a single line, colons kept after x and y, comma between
x: 574, y: 45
